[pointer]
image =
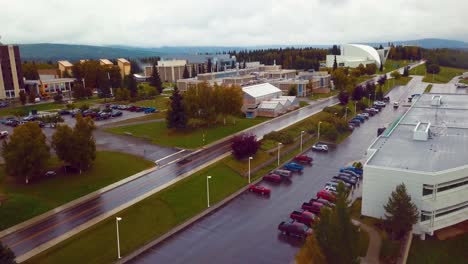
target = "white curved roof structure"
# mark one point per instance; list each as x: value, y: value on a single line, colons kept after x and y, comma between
x: 358, y: 50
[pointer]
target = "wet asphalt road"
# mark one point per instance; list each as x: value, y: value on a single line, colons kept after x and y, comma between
x: 245, y: 230
x: 24, y: 240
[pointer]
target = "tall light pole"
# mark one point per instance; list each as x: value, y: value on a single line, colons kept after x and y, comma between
x: 369, y: 99
x: 318, y: 131
x: 355, y: 107
x: 250, y: 158
x: 279, y: 146
x: 346, y: 114
x: 302, y: 133
x: 208, y: 190
x: 117, y: 220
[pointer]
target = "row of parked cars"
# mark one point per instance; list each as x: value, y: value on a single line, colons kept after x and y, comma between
x: 301, y: 221
x: 97, y: 115
x: 13, y: 122
x: 134, y: 108
x: 366, y: 114
x: 282, y: 174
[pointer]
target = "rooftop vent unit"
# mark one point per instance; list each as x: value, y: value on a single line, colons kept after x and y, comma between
x: 436, y: 100
x: 421, y: 131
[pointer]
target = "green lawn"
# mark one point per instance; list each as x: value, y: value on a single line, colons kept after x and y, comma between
x: 445, y: 75
x: 454, y: 251
x: 303, y: 103
x: 464, y: 81
x: 428, y: 88
x: 391, y: 83
x: 320, y: 95
x: 26, y: 201
x: 146, y: 220
x: 363, y: 78
x: 160, y: 102
x: 391, y: 65
x: 159, y: 134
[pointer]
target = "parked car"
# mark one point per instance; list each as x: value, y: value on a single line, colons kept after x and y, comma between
x: 395, y: 105
x: 116, y: 113
x: 50, y: 174
x: 150, y: 110
x: 386, y: 99
x: 282, y: 173
x: 351, y: 173
x: 313, y: 207
x: 380, y: 104
x: 324, y: 202
x: 40, y: 123
x: 64, y: 112
x: 304, y: 217
x: 303, y: 159
x: 3, y: 104
x: 292, y: 166
x: 75, y: 112
x: 331, y: 189
x: 375, y: 110
x: 326, y: 195
x: 3, y: 134
x: 354, y: 122
x: 259, y: 189
x: 347, y: 185
x: 12, y: 122
x: 357, y: 119
x: 320, y: 147
x: 90, y: 113
x: 414, y: 95
x: 461, y: 85
x: 273, y: 178
x: 29, y: 118
x: 348, y: 175
x: 351, y: 168
x: 361, y: 118
x: 345, y: 179
x: 365, y: 115
x: 103, y: 115
x: 294, y: 229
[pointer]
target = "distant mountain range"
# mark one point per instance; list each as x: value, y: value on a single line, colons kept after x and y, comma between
x: 54, y: 52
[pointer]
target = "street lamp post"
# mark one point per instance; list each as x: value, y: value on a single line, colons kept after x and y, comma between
x: 250, y: 158
x: 279, y: 146
x: 208, y: 190
x: 346, y: 114
x: 302, y: 133
x: 369, y: 99
x: 318, y: 131
x: 355, y: 107
x: 117, y: 220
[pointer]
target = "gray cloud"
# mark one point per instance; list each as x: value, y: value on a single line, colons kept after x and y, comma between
x: 240, y: 22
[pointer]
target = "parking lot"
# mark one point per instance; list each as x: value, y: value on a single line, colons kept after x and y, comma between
x: 107, y: 141
x: 245, y: 229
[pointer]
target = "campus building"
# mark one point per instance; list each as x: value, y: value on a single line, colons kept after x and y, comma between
x: 266, y: 100
x: 106, y: 63
x: 427, y: 150
x: 354, y: 54
x: 11, y: 73
x: 124, y: 66
x: 65, y: 66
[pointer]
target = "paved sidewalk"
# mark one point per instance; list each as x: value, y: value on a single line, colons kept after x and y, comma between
x: 375, y: 243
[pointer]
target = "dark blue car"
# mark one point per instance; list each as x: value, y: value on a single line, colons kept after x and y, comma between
x: 292, y: 166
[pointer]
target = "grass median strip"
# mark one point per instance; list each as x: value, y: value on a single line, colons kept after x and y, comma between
x: 444, y: 76
x: 147, y: 219
x: 159, y: 134
x: 23, y: 202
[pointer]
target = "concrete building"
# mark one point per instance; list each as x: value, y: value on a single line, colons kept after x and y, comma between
x: 169, y: 70
x: 124, y: 66
x: 11, y: 73
x: 266, y: 100
x: 65, y: 66
x: 427, y: 150
x: 106, y: 63
x: 354, y: 54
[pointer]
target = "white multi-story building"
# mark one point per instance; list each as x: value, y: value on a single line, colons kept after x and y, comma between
x: 427, y: 150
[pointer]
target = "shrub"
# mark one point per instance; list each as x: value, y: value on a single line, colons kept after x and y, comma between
x: 328, y: 131
x: 280, y: 136
x: 244, y: 145
x: 196, y: 123
x: 84, y: 107
x: 396, y: 75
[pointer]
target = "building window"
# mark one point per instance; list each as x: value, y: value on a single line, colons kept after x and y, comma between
x: 425, y: 215
x: 429, y: 189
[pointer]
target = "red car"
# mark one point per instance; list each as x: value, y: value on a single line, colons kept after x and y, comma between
x: 259, y: 189
x: 273, y: 178
x: 329, y: 196
x: 303, y: 159
x: 304, y: 217
x: 313, y: 207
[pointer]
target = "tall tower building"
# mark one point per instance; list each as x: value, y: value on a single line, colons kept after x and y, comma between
x: 11, y: 73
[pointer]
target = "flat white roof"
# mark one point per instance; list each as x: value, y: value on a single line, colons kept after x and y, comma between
x: 106, y: 62
x: 65, y: 63
x: 172, y: 63
x: 446, y: 147
x: 260, y: 89
x: 269, y: 104
x: 122, y: 60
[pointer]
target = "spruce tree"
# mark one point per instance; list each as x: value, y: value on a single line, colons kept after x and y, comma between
x: 194, y: 71
x: 6, y: 255
x: 209, y: 65
x: 381, y: 67
x: 401, y: 213
x: 335, y: 64
x: 155, y: 79
x: 186, y: 73
x: 176, y: 116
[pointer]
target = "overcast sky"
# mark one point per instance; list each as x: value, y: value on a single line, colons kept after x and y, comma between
x: 229, y: 23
